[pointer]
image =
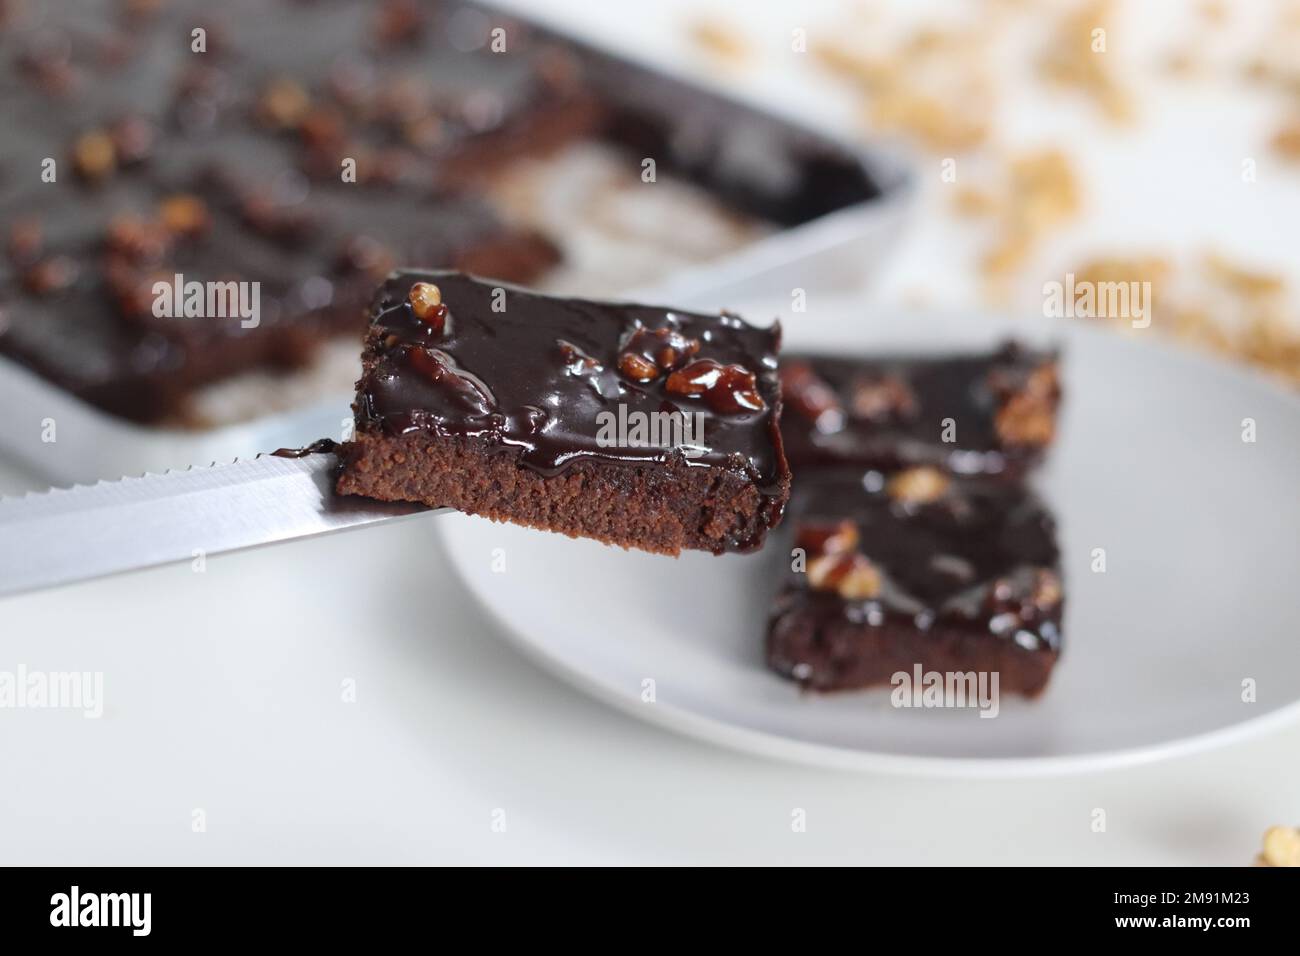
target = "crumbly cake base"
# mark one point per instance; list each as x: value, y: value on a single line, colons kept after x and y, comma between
x: 664, y: 508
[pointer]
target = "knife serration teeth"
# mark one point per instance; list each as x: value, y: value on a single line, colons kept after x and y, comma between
x: 125, y: 479
x: 71, y: 534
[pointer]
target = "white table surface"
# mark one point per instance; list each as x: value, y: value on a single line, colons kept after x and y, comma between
x: 223, y: 693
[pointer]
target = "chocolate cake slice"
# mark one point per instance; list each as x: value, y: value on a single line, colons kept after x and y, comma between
x: 640, y: 426
x: 917, y: 570
x: 992, y: 414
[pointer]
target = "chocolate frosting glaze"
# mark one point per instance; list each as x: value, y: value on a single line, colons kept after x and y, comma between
x: 534, y: 374
x: 981, y: 557
x: 889, y: 412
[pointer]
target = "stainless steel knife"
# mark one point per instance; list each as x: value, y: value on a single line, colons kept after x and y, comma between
x: 65, y: 535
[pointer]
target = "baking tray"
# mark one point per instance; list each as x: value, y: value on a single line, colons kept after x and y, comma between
x: 716, y: 141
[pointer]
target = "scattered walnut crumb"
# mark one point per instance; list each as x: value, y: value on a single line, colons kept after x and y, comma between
x: 1046, y: 188
x: 1070, y: 60
x: 1281, y: 847
x: 973, y: 202
x: 1244, y: 282
x: 933, y: 87
x: 1128, y: 269
x: 1213, y: 11
x: 1197, y: 325
x: 1038, y: 192
x: 1009, y: 252
x: 870, y: 72
x: 721, y: 41
x: 1286, y: 141
x: 1217, y: 305
x: 940, y: 125
x: 1271, y: 343
x: 1183, y: 64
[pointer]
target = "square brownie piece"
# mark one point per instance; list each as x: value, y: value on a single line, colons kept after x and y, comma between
x: 645, y: 427
x: 917, y: 568
x: 991, y: 414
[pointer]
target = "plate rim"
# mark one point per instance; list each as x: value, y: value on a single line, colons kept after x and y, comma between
x: 774, y: 746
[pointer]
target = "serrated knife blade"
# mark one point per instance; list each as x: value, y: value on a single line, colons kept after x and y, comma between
x: 65, y: 535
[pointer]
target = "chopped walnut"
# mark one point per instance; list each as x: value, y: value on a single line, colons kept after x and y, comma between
x: 819, y: 539
x: 283, y: 104
x: 887, y: 398
x: 1047, y: 591
x: 576, y: 360
x: 637, y: 367
x: 424, y: 297
x: 1028, y: 415
x: 427, y: 305
x: 918, y: 486
x: 1282, y: 846
x: 862, y: 580
x: 728, y: 389
x: 809, y: 395
x: 184, y: 214
x: 850, y: 575
x: 94, y: 154
x: 648, y: 352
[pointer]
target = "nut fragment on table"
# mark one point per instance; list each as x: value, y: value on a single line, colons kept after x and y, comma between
x: 720, y: 40
x: 1281, y: 847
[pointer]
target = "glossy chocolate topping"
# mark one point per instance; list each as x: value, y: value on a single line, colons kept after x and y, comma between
x: 998, y: 410
x: 550, y: 378
x: 923, y: 549
x: 321, y: 446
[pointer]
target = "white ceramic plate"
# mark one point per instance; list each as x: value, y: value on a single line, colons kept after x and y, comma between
x: 1198, y: 602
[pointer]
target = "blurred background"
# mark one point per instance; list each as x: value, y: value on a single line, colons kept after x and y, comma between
x: 1119, y: 140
